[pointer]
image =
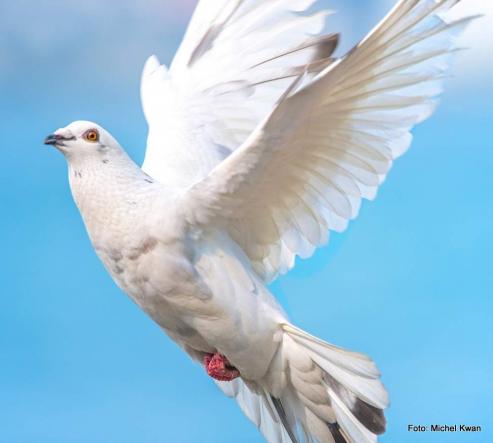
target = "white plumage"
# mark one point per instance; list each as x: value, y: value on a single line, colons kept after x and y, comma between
x: 260, y: 144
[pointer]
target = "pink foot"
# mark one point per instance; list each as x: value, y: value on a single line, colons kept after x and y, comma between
x: 219, y: 368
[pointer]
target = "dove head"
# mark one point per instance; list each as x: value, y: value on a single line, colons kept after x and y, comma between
x: 83, y: 140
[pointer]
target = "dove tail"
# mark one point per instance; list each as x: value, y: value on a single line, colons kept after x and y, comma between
x: 337, y: 394
x: 314, y: 391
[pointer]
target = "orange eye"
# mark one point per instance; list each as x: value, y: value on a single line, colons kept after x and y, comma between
x: 92, y: 135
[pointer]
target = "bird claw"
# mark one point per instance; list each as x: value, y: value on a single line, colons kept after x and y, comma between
x: 219, y: 368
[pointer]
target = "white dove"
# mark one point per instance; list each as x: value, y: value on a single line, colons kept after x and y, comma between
x: 259, y: 144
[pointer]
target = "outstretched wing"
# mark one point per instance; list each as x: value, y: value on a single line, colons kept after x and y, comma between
x: 237, y: 58
x: 305, y: 170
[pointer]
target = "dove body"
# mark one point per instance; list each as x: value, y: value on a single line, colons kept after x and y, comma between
x: 137, y: 229
x: 260, y: 143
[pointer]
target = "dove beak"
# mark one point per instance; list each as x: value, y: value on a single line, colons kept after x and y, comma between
x: 52, y: 139
x: 56, y: 140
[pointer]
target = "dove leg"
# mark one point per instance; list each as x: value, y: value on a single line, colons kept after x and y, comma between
x: 219, y: 368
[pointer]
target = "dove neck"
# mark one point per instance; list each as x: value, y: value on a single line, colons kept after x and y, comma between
x: 105, y: 187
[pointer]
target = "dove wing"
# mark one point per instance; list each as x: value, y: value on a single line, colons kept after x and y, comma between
x: 235, y: 61
x: 306, y: 168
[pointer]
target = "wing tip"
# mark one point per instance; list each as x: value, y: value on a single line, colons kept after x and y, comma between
x: 151, y: 65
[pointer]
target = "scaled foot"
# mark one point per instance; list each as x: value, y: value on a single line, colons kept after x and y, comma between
x: 219, y: 368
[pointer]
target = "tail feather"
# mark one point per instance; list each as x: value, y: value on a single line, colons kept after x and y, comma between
x: 288, y: 422
x: 355, y: 431
x: 336, y: 432
x: 369, y: 416
x: 352, y: 361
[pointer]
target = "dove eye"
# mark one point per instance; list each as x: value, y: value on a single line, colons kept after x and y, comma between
x: 91, y: 136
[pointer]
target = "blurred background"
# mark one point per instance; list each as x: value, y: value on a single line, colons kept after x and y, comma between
x: 410, y: 283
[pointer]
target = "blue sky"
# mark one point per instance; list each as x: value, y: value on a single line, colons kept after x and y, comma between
x: 410, y: 283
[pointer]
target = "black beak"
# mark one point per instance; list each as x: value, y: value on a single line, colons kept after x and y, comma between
x: 53, y: 139
x: 56, y: 140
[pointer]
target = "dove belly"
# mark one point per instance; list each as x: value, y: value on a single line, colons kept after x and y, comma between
x: 248, y: 332
x: 206, y: 298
